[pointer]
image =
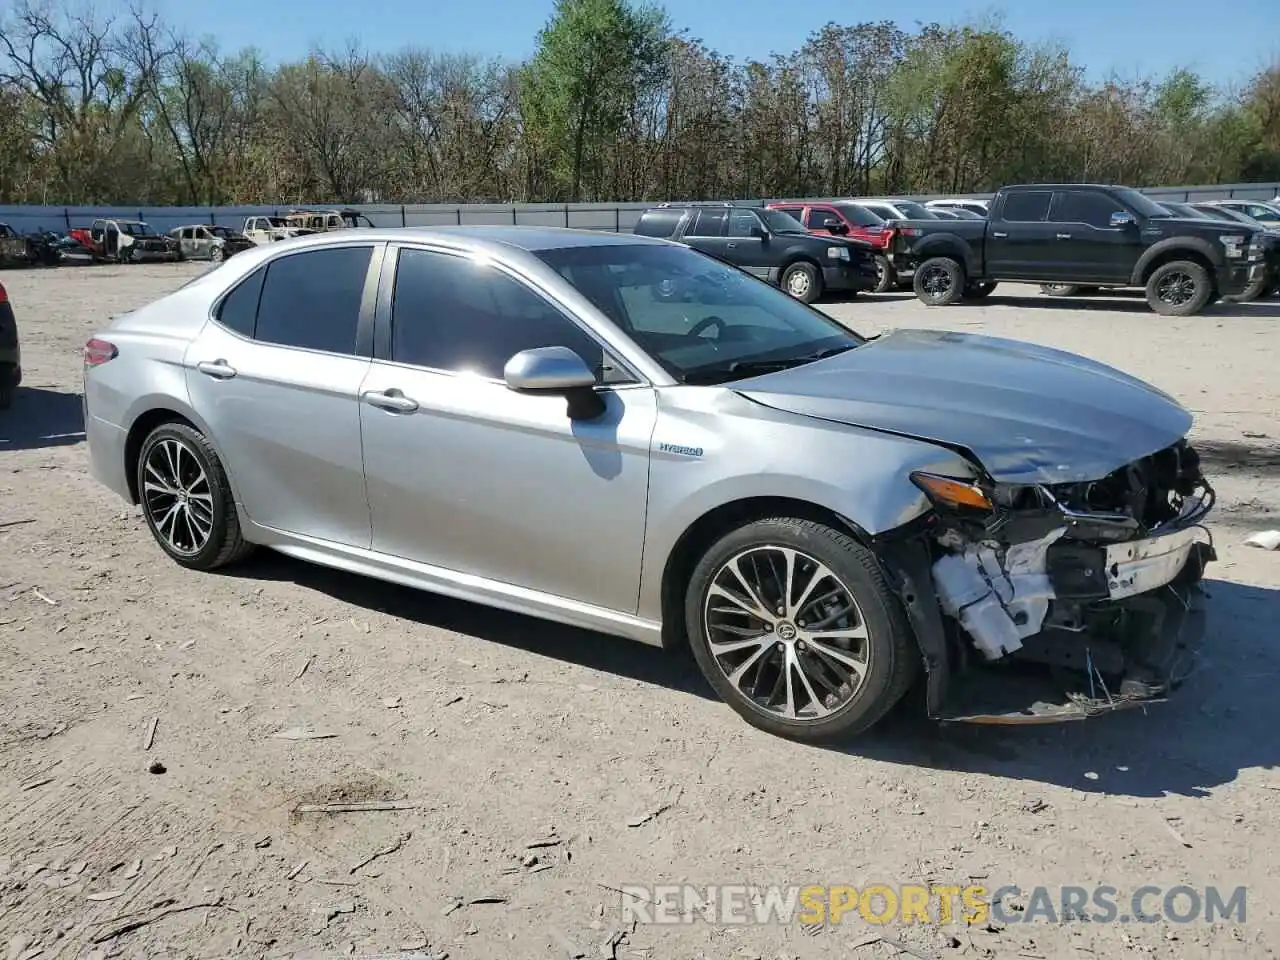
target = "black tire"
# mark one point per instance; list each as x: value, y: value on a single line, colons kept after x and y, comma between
x: 1060, y: 289
x: 892, y: 657
x: 217, y: 254
x: 980, y: 291
x: 886, y: 276
x: 6, y: 391
x: 1170, y: 282
x: 225, y: 544
x: 803, y: 281
x: 939, y: 282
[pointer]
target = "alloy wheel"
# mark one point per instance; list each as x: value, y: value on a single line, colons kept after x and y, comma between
x: 798, y: 284
x: 787, y: 633
x: 1176, y: 288
x: 177, y: 496
x: 936, y: 283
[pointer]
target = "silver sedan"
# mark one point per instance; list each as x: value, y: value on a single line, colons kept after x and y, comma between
x: 623, y: 434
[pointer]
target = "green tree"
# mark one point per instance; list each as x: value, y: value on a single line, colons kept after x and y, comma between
x: 594, y: 59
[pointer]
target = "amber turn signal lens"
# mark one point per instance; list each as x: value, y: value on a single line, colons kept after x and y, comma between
x: 946, y: 491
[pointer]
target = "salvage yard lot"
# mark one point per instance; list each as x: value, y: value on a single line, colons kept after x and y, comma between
x: 501, y: 730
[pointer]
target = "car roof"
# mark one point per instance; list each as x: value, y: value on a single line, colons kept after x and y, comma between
x: 495, y: 240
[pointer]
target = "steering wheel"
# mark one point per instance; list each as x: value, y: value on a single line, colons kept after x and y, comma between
x: 706, y: 322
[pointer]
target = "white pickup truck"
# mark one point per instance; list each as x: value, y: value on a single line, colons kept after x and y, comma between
x: 264, y: 230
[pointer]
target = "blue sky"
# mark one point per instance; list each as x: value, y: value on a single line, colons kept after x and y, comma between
x: 1127, y: 36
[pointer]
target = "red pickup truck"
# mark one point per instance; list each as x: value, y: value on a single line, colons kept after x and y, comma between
x: 846, y: 219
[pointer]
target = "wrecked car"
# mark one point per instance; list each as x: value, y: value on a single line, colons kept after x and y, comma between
x: 647, y: 442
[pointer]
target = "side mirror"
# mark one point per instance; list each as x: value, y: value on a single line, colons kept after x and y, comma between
x: 556, y: 370
x: 760, y: 232
x: 1122, y: 219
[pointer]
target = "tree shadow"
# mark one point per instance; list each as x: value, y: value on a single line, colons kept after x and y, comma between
x: 1221, y: 722
x: 41, y: 418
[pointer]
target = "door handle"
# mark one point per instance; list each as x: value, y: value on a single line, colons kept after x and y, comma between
x: 999, y: 233
x: 1064, y: 236
x: 218, y: 369
x: 731, y: 244
x: 393, y: 400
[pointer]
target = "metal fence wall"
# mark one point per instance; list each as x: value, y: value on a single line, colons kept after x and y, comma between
x: 614, y: 217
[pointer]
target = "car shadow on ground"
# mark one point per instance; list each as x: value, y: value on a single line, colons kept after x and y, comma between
x: 1113, y: 302
x: 624, y: 658
x: 1220, y: 723
x: 40, y: 417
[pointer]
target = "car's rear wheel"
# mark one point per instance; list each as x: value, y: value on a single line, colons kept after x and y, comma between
x: 187, y: 500
x: 939, y: 281
x: 1180, y: 288
x: 886, y: 277
x: 792, y: 623
x: 803, y: 281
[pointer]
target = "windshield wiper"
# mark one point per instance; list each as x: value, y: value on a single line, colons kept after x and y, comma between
x: 747, y: 368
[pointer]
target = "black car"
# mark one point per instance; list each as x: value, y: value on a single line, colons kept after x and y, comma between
x: 1082, y: 234
x: 10, y: 351
x: 767, y: 244
x: 1268, y: 285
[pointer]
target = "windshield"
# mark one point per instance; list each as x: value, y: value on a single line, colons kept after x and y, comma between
x: 1185, y: 210
x: 702, y: 320
x: 1226, y: 213
x: 915, y: 211
x: 1139, y: 203
x: 135, y: 228
x: 277, y: 221
x: 780, y: 222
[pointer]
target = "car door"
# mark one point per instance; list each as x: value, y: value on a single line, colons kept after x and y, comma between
x: 201, y: 243
x: 1091, y: 249
x: 705, y: 232
x: 467, y: 475
x: 825, y: 220
x: 747, y: 243
x: 276, y: 375
x: 1020, y: 242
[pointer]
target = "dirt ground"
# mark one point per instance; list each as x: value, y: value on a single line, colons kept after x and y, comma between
x: 497, y: 731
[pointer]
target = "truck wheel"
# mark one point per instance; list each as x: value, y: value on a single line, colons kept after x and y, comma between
x: 1181, y: 288
x: 979, y: 291
x: 939, y: 282
x: 802, y: 281
x: 886, y: 277
x: 1059, y: 289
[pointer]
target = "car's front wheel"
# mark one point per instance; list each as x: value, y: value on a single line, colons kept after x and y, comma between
x: 1180, y: 288
x: 187, y: 500
x: 792, y: 623
x: 803, y: 281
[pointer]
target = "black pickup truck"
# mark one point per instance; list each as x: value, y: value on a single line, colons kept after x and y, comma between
x: 1082, y: 235
x: 768, y: 244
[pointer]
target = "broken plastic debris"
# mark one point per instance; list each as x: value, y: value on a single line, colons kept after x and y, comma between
x: 1266, y: 539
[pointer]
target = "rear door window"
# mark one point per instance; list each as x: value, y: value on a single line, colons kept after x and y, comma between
x: 312, y: 300
x: 708, y: 223
x: 1029, y: 206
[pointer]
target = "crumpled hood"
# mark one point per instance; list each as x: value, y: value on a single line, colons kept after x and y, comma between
x: 1029, y: 414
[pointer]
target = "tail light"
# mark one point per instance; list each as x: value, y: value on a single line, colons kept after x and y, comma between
x: 98, y: 352
x: 4, y: 295
x: 910, y: 231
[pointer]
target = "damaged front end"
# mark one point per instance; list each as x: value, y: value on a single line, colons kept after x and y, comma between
x: 1086, y: 595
